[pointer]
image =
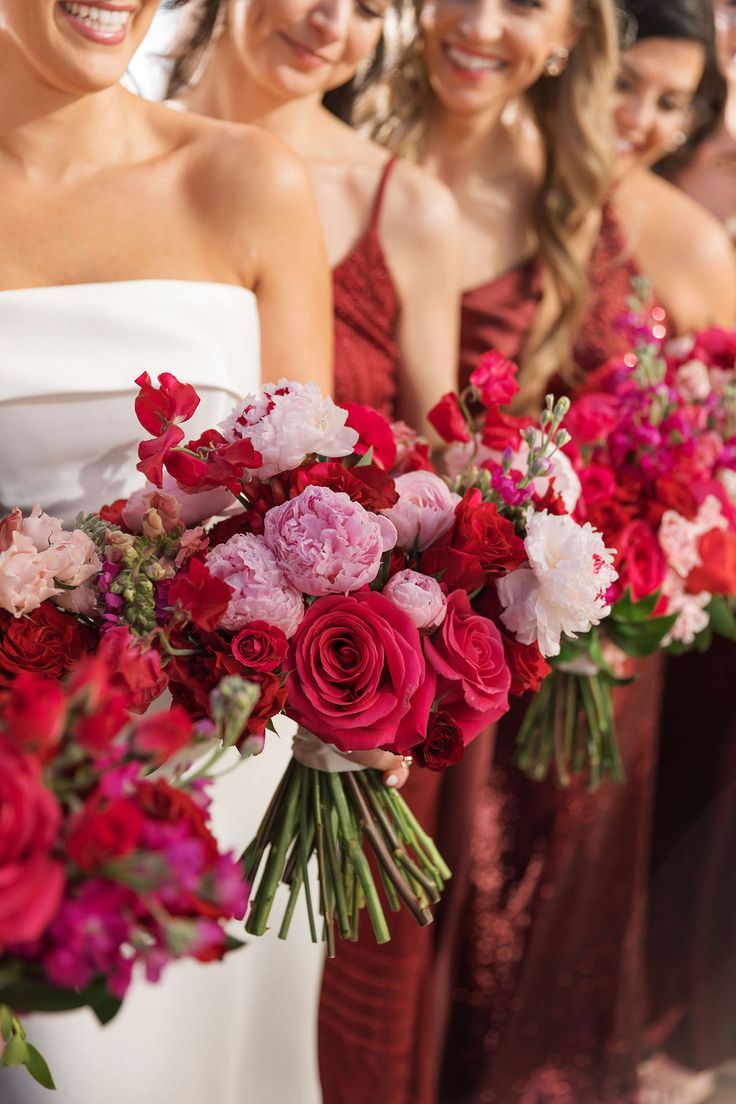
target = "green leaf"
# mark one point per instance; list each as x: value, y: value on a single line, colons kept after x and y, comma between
x: 37, y: 1067
x: 233, y: 944
x: 722, y: 618
x: 641, y: 638
x: 37, y: 995
x: 366, y: 459
x: 16, y: 1052
x: 628, y: 611
x: 6, y: 1022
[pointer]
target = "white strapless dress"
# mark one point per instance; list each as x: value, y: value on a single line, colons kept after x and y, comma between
x: 229, y: 1033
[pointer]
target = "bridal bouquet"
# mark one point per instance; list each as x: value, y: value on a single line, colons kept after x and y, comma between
x: 552, y: 595
x: 104, y: 866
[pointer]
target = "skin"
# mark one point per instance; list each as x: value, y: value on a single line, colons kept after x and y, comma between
x: 99, y: 186
x: 682, y: 249
x: 710, y: 178
x: 270, y: 67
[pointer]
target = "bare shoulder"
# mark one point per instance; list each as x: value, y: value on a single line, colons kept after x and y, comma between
x: 418, y: 209
x: 683, y: 229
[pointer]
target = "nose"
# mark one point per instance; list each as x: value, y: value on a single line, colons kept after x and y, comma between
x: 481, y: 21
x: 330, y: 18
x: 638, y: 115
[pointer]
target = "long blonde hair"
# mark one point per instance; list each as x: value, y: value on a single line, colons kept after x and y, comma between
x: 571, y: 112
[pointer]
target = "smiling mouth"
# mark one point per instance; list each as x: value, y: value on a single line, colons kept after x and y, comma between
x: 470, y: 62
x: 311, y: 57
x: 101, y: 23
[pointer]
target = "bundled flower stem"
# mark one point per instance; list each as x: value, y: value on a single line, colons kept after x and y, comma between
x: 333, y: 816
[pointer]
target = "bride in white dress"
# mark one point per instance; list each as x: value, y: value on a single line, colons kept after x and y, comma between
x: 135, y: 238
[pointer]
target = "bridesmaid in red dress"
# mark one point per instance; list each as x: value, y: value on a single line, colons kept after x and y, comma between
x: 546, y: 979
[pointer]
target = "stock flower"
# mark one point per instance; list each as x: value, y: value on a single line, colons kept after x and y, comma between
x: 327, y: 544
x: 425, y: 510
x: 359, y: 678
x: 261, y: 591
x: 31, y: 881
x: 467, y: 656
x: 419, y: 596
x: 290, y: 422
x: 448, y: 419
x: 563, y: 591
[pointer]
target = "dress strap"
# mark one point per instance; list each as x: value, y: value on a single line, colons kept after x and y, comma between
x: 381, y: 191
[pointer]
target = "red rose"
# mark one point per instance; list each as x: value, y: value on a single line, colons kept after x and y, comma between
x: 481, y: 531
x: 598, y: 484
x: 159, y: 407
x: 31, y: 882
x: 671, y: 494
x: 260, y: 646
x: 717, y: 572
x: 270, y: 703
x: 47, y: 642
x: 162, y: 735
x: 444, y: 745
x: 592, y: 417
x: 192, y: 678
x: 528, y: 666
x: 204, y: 597
x: 455, y: 569
x: 135, y: 670
x: 367, y: 484
x: 104, y: 831
x: 609, y: 517
x: 640, y: 561
x: 374, y: 431
x: 495, y: 379
x: 33, y: 714
x: 359, y: 678
x: 448, y: 419
x: 467, y: 655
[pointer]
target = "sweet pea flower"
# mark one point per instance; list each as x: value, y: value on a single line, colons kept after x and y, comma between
x: 325, y: 543
x: 425, y: 510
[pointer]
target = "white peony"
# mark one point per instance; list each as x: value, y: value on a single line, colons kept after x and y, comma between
x: 288, y: 423
x: 563, y: 591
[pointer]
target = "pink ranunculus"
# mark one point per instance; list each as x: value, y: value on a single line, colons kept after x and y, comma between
x: 325, y: 543
x: 420, y: 596
x: 425, y: 510
x: 288, y: 423
x: 563, y: 591
x: 31, y: 881
x: 473, y: 678
x: 261, y: 590
x: 26, y: 576
x: 359, y: 679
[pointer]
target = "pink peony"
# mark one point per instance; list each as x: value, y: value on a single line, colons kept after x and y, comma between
x: 359, y: 678
x: 563, y: 591
x: 262, y: 592
x: 425, y: 510
x: 327, y: 544
x: 419, y: 596
x: 290, y: 422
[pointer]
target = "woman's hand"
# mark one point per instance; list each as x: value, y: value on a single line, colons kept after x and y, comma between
x: 394, y: 767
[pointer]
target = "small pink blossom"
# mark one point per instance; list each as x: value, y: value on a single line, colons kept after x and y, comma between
x: 327, y: 544
x: 425, y: 510
x: 288, y: 423
x: 693, y: 381
x: 26, y: 578
x: 262, y: 592
x: 419, y: 596
x: 678, y: 539
x: 147, y: 499
x: 692, y: 609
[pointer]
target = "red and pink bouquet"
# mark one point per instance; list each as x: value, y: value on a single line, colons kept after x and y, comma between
x: 104, y: 866
x: 554, y: 591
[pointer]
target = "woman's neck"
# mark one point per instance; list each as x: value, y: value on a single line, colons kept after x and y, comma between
x: 457, y: 146
x: 226, y: 92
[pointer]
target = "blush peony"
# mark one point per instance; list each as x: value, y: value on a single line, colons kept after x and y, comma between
x: 563, y: 591
x: 261, y: 590
x: 325, y: 543
x: 425, y: 510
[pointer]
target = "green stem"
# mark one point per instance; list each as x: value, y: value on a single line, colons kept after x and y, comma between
x: 261, y: 908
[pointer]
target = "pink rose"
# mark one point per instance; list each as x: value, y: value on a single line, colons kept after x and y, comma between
x: 31, y: 882
x: 325, y: 543
x: 425, y: 510
x: 473, y: 678
x: 359, y: 679
x: 261, y: 590
x: 592, y: 417
x: 419, y: 596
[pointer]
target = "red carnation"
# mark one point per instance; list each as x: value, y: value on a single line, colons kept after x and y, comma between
x: 367, y: 484
x: 481, y: 531
x: 134, y: 669
x: 448, y: 419
x: 162, y: 735
x: 495, y: 379
x: 204, y: 597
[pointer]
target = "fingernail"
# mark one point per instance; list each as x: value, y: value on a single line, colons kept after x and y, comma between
x: 392, y: 780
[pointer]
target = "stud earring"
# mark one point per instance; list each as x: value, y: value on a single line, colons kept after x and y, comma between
x: 556, y: 64
x: 679, y: 138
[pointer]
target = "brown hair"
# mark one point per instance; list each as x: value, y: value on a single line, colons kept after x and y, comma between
x: 192, y: 47
x: 570, y: 112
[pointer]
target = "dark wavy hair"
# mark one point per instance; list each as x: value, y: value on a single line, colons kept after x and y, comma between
x: 689, y: 21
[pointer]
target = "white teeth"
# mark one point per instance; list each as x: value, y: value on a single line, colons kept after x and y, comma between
x: 473, y: 62
x: 103, y: 20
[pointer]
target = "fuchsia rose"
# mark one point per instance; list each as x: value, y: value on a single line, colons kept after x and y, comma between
x: 31, y: 882
x: 419, y: 596
x: 359, y: 679
x: 495, y: 379
x: 642, y: 563
x: 327, y: 544
x: 425, y: 510
x: 261, y: 590
x: 592, y: 417
x: 473, y: 678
